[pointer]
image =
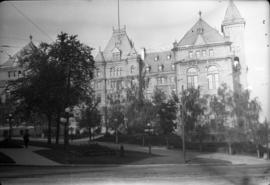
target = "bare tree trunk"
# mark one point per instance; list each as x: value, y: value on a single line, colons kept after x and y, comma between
x: 230, y: 148
x: 90, y: 133
x: 167, y: 142
x: 258, y: 151
x: 49, y: 141
x: 57, y: 129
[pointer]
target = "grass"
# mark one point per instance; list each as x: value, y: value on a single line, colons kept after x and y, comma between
x: 75, y: 157
x: 86, y: 154
x: 10, y: 144
x: 5, y: 159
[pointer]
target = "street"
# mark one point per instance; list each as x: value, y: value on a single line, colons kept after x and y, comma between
x: 137, y: 174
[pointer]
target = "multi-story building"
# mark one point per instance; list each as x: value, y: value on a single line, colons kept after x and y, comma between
x: 203, y: 57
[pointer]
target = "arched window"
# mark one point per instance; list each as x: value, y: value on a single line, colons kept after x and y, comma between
x: 212, y: 77
x: 132, y: 69
x: 192, y: 77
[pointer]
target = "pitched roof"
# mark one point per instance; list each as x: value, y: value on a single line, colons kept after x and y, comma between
x: 201, y: 33
x: 232, y: 15
x: 119, y: 41
x: 12, y: 61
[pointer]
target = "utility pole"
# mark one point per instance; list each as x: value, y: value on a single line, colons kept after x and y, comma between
x: 183, y: 110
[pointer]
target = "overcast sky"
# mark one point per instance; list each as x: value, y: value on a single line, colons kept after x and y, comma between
x: 153, y: 24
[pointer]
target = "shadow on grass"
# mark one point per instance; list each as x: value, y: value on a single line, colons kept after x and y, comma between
x: 87, y: 154
x: 75, y: 157
x: 5, y: 159
x: 7, y: 143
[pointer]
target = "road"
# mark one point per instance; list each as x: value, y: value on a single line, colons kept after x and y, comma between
x: 137, y: 174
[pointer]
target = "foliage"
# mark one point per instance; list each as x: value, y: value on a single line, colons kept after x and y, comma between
x: 90, y: 115
x: 55, y: 76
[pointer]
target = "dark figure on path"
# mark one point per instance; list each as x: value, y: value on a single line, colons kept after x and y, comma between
x: 26, y: 139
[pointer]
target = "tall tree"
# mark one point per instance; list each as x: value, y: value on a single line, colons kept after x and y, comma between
x: 90, y: 116
x: 56, y: 76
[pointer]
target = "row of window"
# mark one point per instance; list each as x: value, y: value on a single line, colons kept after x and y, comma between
x: 14, y: 74
x: 157, y: 57
x: 212, y: 78
x: 160, y: 68
x: 192, y: 80
x: 201, y: 53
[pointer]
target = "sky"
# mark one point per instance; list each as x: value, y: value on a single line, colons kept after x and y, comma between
x: 151, y: 24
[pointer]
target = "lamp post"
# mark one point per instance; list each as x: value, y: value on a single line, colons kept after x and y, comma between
x: 9, y: 120
x: 116, y: 130
x: 67, y: 111
x: 148, y: 130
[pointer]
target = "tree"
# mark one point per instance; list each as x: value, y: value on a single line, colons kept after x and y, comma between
x: 165, y: 110
x: 56, y: 76
x: 90, y: 116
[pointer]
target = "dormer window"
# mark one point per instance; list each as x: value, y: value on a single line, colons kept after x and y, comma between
x: 156, y: 58
x: 116, y: 53
x: 199, y: 30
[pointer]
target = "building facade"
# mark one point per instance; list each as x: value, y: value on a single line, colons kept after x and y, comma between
x: 203, y: 58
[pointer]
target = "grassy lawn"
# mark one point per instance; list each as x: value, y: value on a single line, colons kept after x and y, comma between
x: 86, y: 154
x: 75, y: 157
x: 5, y: 159
x: 10, y: 144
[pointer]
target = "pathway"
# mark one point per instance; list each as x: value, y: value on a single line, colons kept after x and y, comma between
x: 27, y: 156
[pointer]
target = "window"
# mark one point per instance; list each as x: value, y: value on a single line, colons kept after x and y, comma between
x: 118, y: 72
x: 156, y: 58
x: 203, y: 53
x: 9, y: 74
x: 148, y: 68
x: 19, y: 73
x: 132, y: 69
x: 98, y: 73
x: 173, y: 67
x: 172, y: 79
x: 212, y: 77
x: 211, y: 52
x: 112, y: 72
x: 197, y: 54
x: 161, y: 80
x: 192, y: 78
x: 190, y: 54
x: 169, y: 57
x: 160, y: 68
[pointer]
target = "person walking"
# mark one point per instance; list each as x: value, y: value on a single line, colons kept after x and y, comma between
x: 26, y: 138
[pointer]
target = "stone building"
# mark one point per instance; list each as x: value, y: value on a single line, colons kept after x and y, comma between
x: 203, y: 57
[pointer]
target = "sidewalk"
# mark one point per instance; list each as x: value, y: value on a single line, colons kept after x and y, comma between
x: 27, y: 156
x: 236, y: 159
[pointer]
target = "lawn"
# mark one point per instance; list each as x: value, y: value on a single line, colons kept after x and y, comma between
x: 87, y: 154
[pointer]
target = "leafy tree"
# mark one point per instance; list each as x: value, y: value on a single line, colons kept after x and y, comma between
x: 56, y: 77
x: 192, y: 108
x: 166, y: 112
x: 90, y: 116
